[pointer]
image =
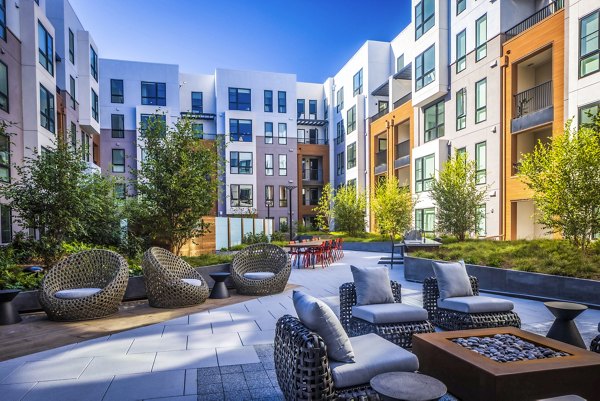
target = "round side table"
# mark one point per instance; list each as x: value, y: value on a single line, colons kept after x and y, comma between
x: 8, y: 311
x: 219, y: 290
x: 407, y: 386
x: 564, y: 328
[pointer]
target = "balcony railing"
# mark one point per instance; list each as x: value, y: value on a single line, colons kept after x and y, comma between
x: 204, y: 135
x: 402, y: 154
x: 539, y: 16
x: 380, y: 114
x: 381, y: 158
x: 532, y: 100
x: 402, y: 100
x: 312, y: 174
x: 313, y: 141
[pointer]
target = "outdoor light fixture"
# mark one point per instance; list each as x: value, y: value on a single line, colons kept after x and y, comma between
x: 290, y: 187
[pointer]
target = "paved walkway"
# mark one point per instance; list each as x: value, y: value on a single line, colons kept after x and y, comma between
x: 223, y: 353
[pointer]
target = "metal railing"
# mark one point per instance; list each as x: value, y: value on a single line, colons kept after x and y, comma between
x: 402, y: 149
x: 532, y: 20
x: 311, y: 174
x: 531, y: 100
x: 313, y: 141
x: 402, y: 100
x: 381, y: 158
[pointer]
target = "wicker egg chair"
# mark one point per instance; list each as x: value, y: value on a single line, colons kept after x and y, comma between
x: 102, y: 273
x: 170, y: 281
x: 261, y: 259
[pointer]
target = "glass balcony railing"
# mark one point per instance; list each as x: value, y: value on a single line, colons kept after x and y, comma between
x: 381, y: 158
x: 312, y: 174
x: 310, y: 140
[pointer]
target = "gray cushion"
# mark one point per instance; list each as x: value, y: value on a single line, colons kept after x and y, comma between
x: 372, y: 285
x: 319, y: 317
x: 476, y: 304
x: 389, y: 313
x: 373, y: 355
x: 259, y: 275
x: 452, y: 279
x: 74, y: 293
x: 192, y: 281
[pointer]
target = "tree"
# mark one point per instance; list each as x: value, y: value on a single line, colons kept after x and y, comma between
x: 565, y: 179
x: 458, y: 197
x: 177, y: 183
x: 349, y: 210
x: 392, y: 208
x: 324, y: 208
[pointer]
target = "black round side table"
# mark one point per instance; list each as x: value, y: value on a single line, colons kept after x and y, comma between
x: 8, y: 311
x: 564, y: 328
x: 219, y: 290
x: 408, y: 386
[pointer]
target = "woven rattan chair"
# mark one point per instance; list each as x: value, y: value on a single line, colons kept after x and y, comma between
x: 164, y: 275
x: 453, y: 320
x: 398, y: 333
x: 96, y: 269
x: 261, y: 258
x: 302, y: 366
x: 595, y: 345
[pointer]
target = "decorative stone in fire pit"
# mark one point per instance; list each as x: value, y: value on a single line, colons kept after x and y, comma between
x: 507, y: 348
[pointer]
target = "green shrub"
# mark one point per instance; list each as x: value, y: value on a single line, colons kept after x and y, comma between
x: 257, y: 238
x: 277, y: 236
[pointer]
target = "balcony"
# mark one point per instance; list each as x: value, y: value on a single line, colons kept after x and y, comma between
x: 534, y: 19
x: 381, y: 162
x: 198, y: 116
x: 311, y: 122
x: 380, y: 114
x: 402, y: 100
x: 532, y: 107
x: 312, y: 174
x: 402, y: 154
x: 310, y: 140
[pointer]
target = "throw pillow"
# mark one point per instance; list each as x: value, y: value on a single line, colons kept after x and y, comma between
x: 452, y: 279
x: 372, y: 285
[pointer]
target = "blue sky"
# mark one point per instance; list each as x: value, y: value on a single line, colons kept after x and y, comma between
x: 311, y: 38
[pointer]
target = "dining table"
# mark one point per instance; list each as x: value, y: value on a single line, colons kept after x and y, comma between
x: 306, y: 246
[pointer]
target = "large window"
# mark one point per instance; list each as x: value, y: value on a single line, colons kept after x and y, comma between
x: 281, y: 102
x: 351, y: 156
x: 268, y: 132
x: 400, y: 62
x: 268, y: 101
x: 282, y: 164
x: 94, y: 63
x: 118, y: 160
x: 340, y: 163
x: 434, y: 121
x: 72, y: 92
x: 240, y: 162
x: 3, y: 19
x: 424, y: 173
x: 240, y: 130
x: 461, y: 51
x: 357, y: 83
x: 587, y: 113
x: 589, y: 44
x: 480, y: 101
x: 425, y: 68
x: 351, y: 119
x: 117, y: 94
x: 325, y: 109
x: 46, y: 49
x: 339, y: 104
x: 71, y: 46
x: 269, y: 164
x: 283, y: 197
x: 461, y: 5
x: 480, y: 162
x: 46, y: 109
x: 424, y: 17
x: 85, y: 147
x: 154, y: 93
x: 4, y: 158
x: 240, y: 99
x: 197, y: 102
x: 339, y: 135
x: 3, y: 87
x: 481, y: 228
x: 155, y: 119
x: 270, y: 195
x: 481, y: 38
x: 461, y: 109
x: 312, y: 109
x: 198, y: 130
x: 241, y: 195
x: 300, y: 109
x: 425, y: 220
x: 282, y: 133
x: 117, y: 125
x: 6, y: 224
x: 95, y: 105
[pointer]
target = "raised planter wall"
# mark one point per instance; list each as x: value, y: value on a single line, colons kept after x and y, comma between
x: 380, y: 246
x: 516, y: 283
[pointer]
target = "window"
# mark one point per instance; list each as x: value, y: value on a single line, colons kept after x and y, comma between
x: 461, y: 51
x: 325, y: 109
x: 85, y: 148
x: 3, y: 87
x: 283, y: 198
x: 357, y: 83
x: 282, y: 164
x: 480, y: 162
x: 300, y: 109
x: 481, y: 38
x: 312, y: 109
x: 587, y: 113
x: 71, y: 47
x: 94, y: 63
x: 241, y: 195
x: 155, y: 119
x: 240, y: 162
x: 424, y: 172
x: 240, y: 130
x: 425, y: 220
x: 72, y: 92
x: 73, y: 135
x: 269, y: 195
x: 481, y: 228
x: 461, y: 151
x: 461, y: 109
x: 339, y: 136
x: 154, y: 93
x: 480, y: 101
x: 460, y: 6
x: 269, y: 164
x: 46, y: 109
x: 589, y: 44
x: 339, y: 105
x: 281, y: 102
x: 94, y: 105
x: 6, y: 224
x: 197, y: 102
x: 434, y: 121
x: 340, y: 163
x: 198, y: 130
x: 351, y: 156
x: 240, y: 99
x: 118, y: 160
x: 46, y: 49
x: 3, y: 19
x: 425, y: 68
x: 351, y: 119
x: 268, y: 101
x: 4, y: 158
x: 424, y: 17
x: 282, y: 133
x: 400, y: 62
x: 351, y: 183
x: 117, y: 125
x: 120, y: 190
x: 116, y: 91
x: 283, y: 224
x: 268, y: 132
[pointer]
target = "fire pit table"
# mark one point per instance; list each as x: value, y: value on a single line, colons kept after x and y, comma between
x: 543, y: 368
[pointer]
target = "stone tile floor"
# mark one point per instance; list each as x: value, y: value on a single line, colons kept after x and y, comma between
x: 220, y: 354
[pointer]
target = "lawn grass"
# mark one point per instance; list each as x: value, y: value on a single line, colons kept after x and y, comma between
x: 555, y: 257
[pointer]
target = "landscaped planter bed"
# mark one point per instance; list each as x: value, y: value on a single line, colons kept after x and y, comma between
x: 516, y: 283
